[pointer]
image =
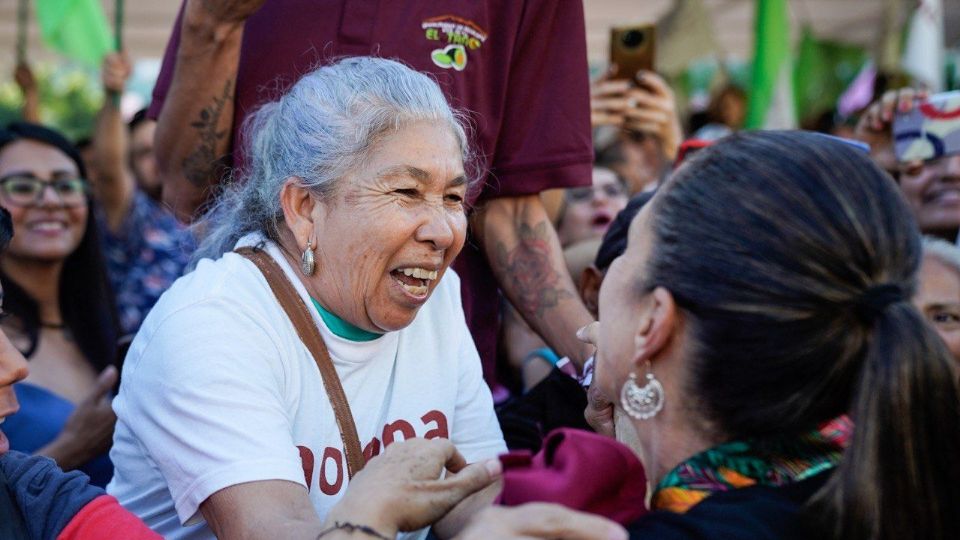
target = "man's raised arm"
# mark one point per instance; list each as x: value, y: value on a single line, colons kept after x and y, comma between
x: 194, y: 126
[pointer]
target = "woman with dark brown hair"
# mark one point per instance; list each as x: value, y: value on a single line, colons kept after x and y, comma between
x: 63, y: 316
x: 764, y: 295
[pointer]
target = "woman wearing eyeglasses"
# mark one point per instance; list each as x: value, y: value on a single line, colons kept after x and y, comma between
x: 588, y: 211
x: 62, y: 313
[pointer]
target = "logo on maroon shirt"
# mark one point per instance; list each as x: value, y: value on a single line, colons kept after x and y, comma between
x: 457, y: 36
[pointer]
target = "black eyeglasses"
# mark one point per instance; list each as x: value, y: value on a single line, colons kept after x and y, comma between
x: 22, y: 190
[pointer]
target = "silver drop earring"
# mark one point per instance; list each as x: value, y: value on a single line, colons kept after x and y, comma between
x: 642, y: 402
x: 307, y: 262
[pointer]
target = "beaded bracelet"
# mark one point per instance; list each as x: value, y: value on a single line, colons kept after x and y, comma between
x: 352, y: 528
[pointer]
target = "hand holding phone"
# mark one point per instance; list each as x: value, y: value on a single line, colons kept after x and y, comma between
x: 608, y: 101
x: 652, y: 110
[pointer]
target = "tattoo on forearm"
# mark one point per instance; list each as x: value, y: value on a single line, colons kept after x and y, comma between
x: 201, y: 165
x: 535, y: 283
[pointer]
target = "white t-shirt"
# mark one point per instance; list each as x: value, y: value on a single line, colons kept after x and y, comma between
x: 218, y: 390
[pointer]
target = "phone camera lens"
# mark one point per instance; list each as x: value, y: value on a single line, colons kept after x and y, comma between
x: 632, y: 39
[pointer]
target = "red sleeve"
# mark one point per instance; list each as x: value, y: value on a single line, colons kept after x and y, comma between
x: 103, y: 517
x: 166, y: 69
x: 545, y: 140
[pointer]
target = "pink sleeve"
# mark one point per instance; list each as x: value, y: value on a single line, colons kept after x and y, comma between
x: 103, y: 517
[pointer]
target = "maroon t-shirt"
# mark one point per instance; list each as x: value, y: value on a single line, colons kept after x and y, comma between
x: 518, y: 67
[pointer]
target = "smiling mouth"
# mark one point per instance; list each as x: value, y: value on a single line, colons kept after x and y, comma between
x: 47, y: 226
x: 414, y: 280
x: 943, y: 195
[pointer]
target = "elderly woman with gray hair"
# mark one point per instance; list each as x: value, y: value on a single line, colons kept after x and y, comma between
x: 938, y: 290
x: 320, y: 326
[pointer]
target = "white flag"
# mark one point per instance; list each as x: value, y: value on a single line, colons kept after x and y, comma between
x: 923, y: 56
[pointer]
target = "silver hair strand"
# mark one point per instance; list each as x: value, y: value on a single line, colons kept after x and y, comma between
x: 318, y: 131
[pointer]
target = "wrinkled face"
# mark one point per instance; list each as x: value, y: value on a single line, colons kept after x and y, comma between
x: 142, y: 160
x: 932, y: 189
x: 621, y: 308
x: 938, y: 298
x: 46, y: 229
x: 390, y: 229
x: 13, y: 368
x: 590, y: 210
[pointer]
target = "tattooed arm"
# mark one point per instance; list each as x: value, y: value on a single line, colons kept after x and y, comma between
x: 193, y: 130
x: 524, y: 253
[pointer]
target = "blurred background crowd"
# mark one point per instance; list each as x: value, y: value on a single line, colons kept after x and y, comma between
x: 703, y: 46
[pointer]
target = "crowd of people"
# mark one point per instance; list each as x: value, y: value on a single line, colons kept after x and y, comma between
x: 353, y: 276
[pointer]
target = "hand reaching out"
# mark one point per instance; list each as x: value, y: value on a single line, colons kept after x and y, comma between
x: 402, y: 489
x: 31, y: 92
x: 649, y: 107
x: 599, y: 411
x: 88, y: 431
x: 608, y: 101
x: 221, y: 12
x: 25, y: 79
x: 540, y: 520
x: 115, y: 71
x: 652, y: 109
x: 879, y: 115
x: 874, y: 126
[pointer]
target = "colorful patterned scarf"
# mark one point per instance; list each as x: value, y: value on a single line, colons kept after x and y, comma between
x: 739, y: 464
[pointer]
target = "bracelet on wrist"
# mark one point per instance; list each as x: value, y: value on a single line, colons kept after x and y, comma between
x: 352, y: 528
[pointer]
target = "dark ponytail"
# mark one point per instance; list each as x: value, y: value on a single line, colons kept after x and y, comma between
x: 899, y: 477
x: 793, y: 258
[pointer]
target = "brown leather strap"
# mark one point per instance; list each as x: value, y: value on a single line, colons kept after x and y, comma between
x: 300, y: 316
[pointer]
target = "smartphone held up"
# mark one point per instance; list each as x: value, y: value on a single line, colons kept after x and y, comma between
x: 929, y: 130
x: 632, y: 49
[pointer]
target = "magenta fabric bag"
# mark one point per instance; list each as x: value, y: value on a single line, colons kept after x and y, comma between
x: 580, y: 470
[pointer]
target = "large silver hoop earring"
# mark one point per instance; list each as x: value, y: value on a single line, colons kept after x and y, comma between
x: 307, y: 263
x: 642, y: 402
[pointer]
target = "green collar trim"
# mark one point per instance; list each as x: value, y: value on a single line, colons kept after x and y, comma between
x: 342, y: 328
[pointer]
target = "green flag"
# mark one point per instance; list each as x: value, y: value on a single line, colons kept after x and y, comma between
x: 822, y: 71
x: 771, y: 94
x: 75, y: 28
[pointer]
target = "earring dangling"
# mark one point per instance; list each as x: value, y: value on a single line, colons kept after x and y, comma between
x: 642, y: 403
x: 307, y: 262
